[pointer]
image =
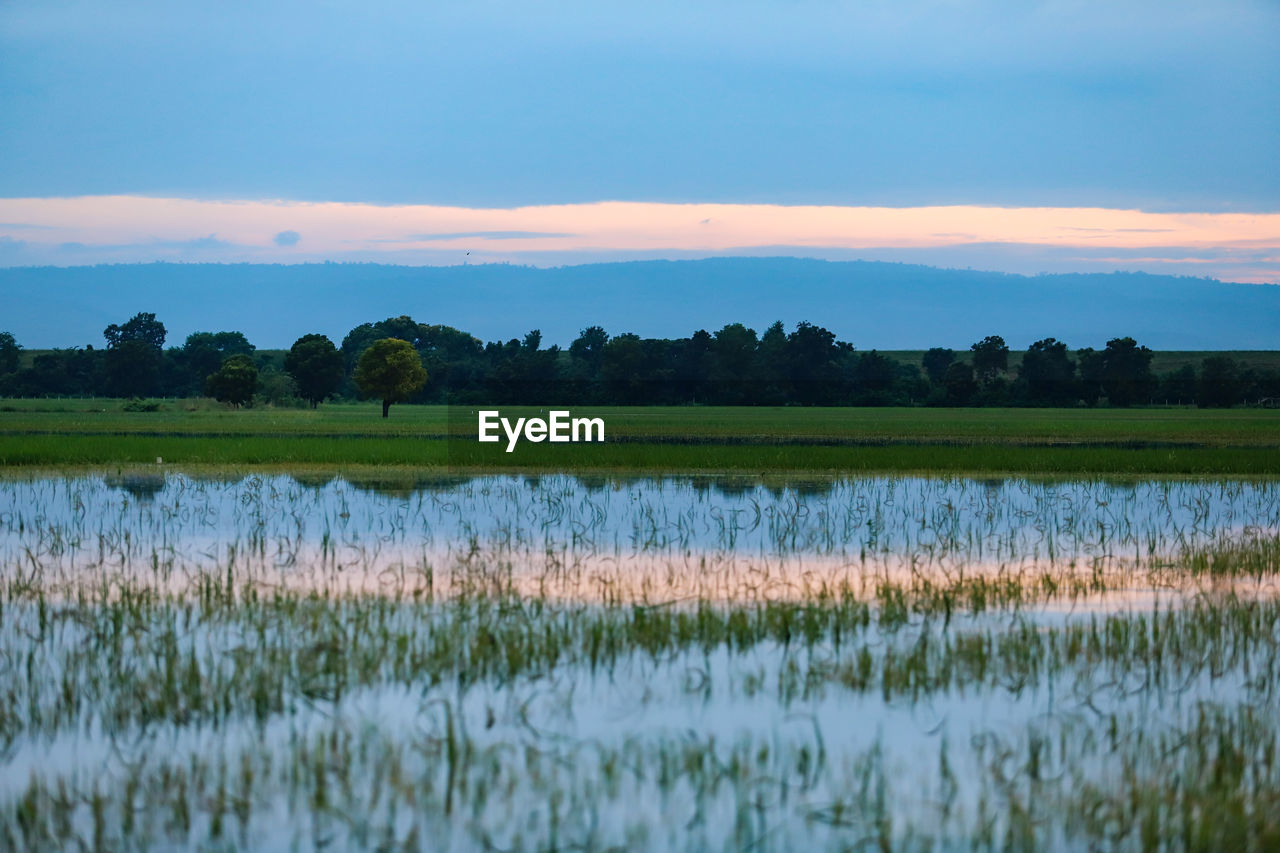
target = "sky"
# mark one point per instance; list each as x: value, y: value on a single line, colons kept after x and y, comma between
x: 1016, y: 136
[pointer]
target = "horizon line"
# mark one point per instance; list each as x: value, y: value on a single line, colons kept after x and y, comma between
x: 586, y: 263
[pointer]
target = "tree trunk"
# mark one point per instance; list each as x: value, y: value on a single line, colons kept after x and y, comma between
x: 386, y: 407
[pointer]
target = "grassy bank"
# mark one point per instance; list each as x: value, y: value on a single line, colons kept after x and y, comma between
x: 96, y: 451
x: 55, y: 433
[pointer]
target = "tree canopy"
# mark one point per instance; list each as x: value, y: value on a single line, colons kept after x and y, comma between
x: 203, y: 353
x: 391, y: 370
x: 936, y: 361
x: 1220, y: 382
x: 808, y: 365
x: 133, y: 355
x: 141, y: 328
x: 990, y: 357
x: 10, y: 353
x: 1049, y: 374
x: 1126, y: 372
x: 234, y: 382
x: 316, y: 366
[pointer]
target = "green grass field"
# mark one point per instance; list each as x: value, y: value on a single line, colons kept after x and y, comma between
x: 89, y: 433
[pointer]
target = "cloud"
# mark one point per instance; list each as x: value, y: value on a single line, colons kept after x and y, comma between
x: 211, y: 242
x: 489, y: 235
x: 130, y: 250
x: 103, y: 229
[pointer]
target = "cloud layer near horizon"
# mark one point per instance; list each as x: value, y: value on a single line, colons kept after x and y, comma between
x: 106, y: 229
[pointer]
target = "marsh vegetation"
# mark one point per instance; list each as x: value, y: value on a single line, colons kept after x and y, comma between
x: 672, y: 663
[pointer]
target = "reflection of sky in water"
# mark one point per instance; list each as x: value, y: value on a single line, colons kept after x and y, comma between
x: 656, y: 703
x: 644, y: 700
x: 976, y: 519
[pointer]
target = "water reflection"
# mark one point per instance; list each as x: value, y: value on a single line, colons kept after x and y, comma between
x: 141, y: 486
x: 616, y: 536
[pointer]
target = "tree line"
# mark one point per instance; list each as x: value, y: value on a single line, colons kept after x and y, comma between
x: 735, y: 365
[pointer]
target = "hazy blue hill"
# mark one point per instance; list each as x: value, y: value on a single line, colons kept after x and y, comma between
x: 887, y: 306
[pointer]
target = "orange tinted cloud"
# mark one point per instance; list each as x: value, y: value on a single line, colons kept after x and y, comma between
x: 247, y: 230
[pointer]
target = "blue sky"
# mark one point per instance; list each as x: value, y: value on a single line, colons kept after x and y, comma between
x: 1156, y: 106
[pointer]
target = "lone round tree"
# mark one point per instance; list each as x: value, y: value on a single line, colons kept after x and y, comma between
x: 390, y: 370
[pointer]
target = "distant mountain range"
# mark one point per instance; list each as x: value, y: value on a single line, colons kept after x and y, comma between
x: 870, y: 304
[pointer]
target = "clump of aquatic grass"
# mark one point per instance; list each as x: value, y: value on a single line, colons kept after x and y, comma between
x: 133, y: 657
x: 1205, y: 780
x: 276, y: 526
x: 1255, y: 553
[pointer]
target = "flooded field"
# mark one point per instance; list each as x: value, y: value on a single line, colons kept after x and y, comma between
x: 559, y: 663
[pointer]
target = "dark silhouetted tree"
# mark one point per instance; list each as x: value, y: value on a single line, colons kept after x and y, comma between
x: 202, y: 354
x: 519, y: 372
x: 142, y: 327
x: 1126, y: 372
x: 586, y: 355
x: 959, y: 383
x: 1179, y: 386
x: 1260, y: 384
x: 813, y: 359
x: 134, y: 356
x: 623, y: 369
x: 1221, y: 382
x: 454, y: 361
x: 361, y: 337
x: 990, y: 358
x: 60, y: 371
x: 1092, y: 375
x: 502, y: 376
x: 10, y: 353
x: 589, y: 345
x: 935, y: 362
x: 774, y: 367
x: 588, y: 348
x: 732, y: 374
x: 234, y: 382
x: 316, y: 366
x: 403, y: 327
x: 873, y: 379
x: 390, y: 370
x: 357, y: 341
x: 693, y: 362
x: 1049, y: 374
